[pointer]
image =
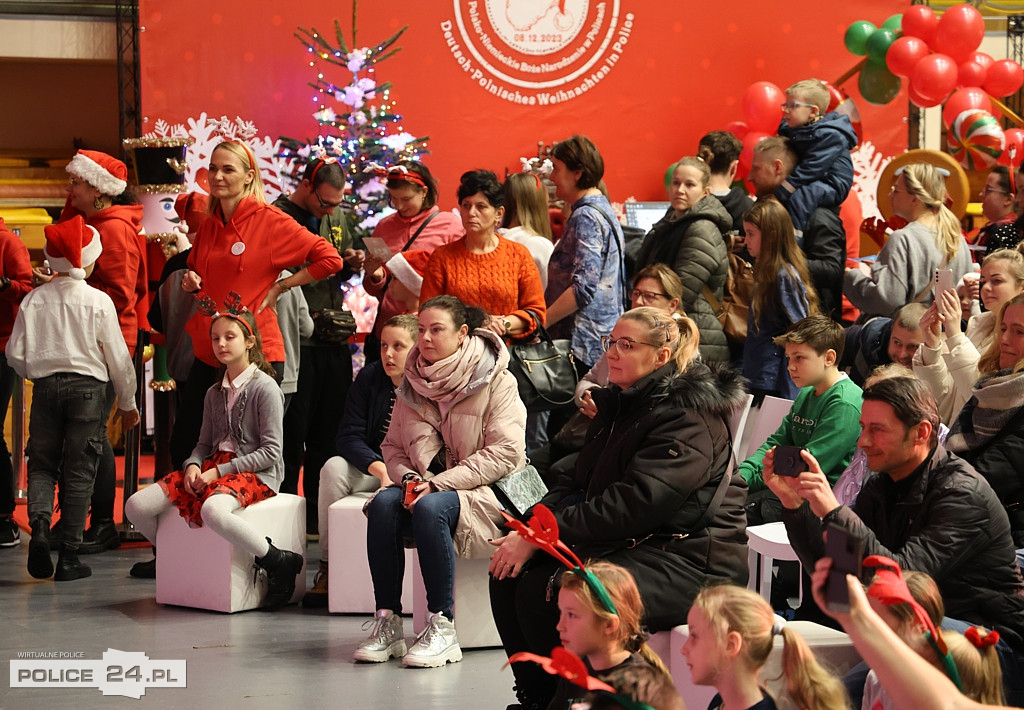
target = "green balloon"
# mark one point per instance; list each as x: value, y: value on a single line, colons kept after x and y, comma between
x: 857, y: 35
x: 894, y: 23
x: 879, y: 43
x: 877, y: 84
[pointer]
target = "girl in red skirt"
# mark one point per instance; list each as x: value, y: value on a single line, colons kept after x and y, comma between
x: 237, y: 461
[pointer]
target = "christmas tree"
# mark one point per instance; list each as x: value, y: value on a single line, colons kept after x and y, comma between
x: 358, y: 122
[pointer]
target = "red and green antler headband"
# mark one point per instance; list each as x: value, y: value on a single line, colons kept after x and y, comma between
x: 542, y: 532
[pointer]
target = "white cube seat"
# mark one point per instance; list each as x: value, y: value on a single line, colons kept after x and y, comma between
x: 349, y: 586
x: 474, y: 622
x: 196, y: 567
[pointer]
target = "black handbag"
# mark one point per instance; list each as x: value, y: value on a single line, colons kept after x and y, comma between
x: 333, y: 325
x: 545, y: 370
x: 519, y: 491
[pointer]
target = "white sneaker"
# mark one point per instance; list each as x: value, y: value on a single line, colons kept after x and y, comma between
x: 436, y: 645
x: 387, y: 639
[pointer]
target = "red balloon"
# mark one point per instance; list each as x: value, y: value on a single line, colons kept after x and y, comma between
x: 919, y: 21
x: 737, y: 128
x: 905, y: 53
x: 959, y: 32
x: 981, y: 58
x: 921, y: 101
x: 970, y: 74
x: 1014, y: 137
x: 762, y: 106
x: 934, y: 77
x: 1004, y: 78
x: 963, y: 99
x: 747, y: 155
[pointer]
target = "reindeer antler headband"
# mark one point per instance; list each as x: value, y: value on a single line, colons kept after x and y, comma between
x: 233, y: 308
x: 542, y: 532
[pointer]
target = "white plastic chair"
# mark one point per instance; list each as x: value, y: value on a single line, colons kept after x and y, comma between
x: 770, y: 542
x: 737, y: 423
x: 773, y: 410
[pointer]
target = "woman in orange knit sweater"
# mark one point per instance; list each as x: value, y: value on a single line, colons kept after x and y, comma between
x: 483, y: 269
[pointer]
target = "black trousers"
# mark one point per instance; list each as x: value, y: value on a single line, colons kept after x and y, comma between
x: 525, y: 610
x: 311, y: 422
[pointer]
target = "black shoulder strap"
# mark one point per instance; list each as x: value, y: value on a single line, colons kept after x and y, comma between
x: 421, y: 228
x: 723, y: 486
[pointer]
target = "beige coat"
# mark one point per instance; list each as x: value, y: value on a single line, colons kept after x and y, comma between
x: 484, y: 435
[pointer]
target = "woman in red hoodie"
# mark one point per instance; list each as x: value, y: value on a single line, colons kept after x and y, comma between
x: 243, y: 247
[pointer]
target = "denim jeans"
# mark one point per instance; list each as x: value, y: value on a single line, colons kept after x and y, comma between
x: 65, y: 432
x: 430, y: 525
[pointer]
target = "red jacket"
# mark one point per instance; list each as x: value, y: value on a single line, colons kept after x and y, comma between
x: 120, y: 272
x: 15, y: 265
x: 272, y: 241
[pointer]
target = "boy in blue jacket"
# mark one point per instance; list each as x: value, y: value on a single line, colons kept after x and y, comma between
x: 823, y: 142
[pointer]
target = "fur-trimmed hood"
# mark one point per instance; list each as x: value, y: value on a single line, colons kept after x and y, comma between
x: 711, y: 390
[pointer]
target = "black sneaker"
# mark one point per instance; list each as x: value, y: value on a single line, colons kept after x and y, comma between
x: 100, y: 537
x: 10, y: 533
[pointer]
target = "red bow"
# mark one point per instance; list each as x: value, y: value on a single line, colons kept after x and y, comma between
x: 980, y: 642
x: 565, y: 664
x: 890, y: 588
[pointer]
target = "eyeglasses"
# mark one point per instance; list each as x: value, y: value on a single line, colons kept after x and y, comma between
x: 647, y: 295
x: 989, y: 190
x: 324, y: 204
x: 624, y: 345
x: 790, y: 105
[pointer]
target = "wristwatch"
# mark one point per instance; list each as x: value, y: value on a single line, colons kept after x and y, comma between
x: 5, y: 283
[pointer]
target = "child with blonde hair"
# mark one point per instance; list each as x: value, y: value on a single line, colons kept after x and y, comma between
x: 602, y: 629
x: 977, y: 662
x: 732, y: 632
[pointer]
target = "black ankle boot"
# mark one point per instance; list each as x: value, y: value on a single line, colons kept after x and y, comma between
x: 40, y: 564
x: 69, y: 567
x: 281, y: 567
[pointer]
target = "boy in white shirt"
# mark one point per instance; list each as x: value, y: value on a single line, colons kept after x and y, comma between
x: 66, y: 339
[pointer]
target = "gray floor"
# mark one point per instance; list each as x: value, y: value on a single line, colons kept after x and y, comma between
x: 288, y: 659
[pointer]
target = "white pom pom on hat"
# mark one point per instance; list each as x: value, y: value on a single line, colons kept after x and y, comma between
x: 72, y: 246
x: 104, y: 172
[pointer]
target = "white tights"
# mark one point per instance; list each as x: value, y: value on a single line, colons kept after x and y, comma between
x: 148, y: 504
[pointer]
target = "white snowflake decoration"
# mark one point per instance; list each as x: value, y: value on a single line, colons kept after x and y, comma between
x: 209, y: 133
x: 868, y: 164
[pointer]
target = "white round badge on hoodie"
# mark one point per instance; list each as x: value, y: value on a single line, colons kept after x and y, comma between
x: 237, y: 248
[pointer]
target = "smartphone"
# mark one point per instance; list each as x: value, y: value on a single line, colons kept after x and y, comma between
x: 846, y: 551
x: 408, y: 489
x: 943, y: 282
x: 789, y: 462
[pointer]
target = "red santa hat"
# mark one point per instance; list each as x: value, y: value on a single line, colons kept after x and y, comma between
x: 71, y: 246
x: 408, y: 267
x: 106, y: 173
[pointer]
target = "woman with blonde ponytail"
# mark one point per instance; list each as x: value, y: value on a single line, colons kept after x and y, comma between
x: 905, y: 268
x: 732, y: 632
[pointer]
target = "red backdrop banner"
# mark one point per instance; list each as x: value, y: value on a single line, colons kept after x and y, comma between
x: 489, y: 79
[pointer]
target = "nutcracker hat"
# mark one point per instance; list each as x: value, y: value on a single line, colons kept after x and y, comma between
x: 72, y: 246
x: 106, y: 173
x: 408, y: 267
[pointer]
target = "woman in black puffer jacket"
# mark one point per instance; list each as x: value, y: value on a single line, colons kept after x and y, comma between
x: 689, y: 239
x: 650, y: 492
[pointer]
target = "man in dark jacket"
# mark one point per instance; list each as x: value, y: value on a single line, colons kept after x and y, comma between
x: 881, y: 341
x: 823, y: 241
x: 325, y: 365
x: 928, y: 510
